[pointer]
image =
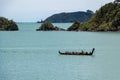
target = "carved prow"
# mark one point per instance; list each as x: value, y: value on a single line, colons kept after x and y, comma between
x: 93, y: 50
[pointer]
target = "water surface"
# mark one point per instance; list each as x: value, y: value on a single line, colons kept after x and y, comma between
x: 33, y: 55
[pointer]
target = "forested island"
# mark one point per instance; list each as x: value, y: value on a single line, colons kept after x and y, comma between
x: 107, y: 18
x: 70, y: 17
x: 48, y: 26
x: 7, y: 25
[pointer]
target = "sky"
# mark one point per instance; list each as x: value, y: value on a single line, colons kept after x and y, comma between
x: 36, y: 10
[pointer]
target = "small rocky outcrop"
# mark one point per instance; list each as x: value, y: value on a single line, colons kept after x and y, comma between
x: 7, y: 25
x: 48, y: 26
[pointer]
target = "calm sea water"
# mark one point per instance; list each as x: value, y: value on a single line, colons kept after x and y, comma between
x: 31, y: 55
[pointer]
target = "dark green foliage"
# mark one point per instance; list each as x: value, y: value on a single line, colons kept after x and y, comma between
x: 7, y: 25
x: 107, y: 18
x: 70, y: 17
x: 74, y: 26
x: 117, y: 1
x: 48, y: 26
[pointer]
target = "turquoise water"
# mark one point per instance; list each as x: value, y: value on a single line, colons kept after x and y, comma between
x: 31, y: 55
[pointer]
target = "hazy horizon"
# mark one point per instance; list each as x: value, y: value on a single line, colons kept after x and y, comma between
x: 35, y: 10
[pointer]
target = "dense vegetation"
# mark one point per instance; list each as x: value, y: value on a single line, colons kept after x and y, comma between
x: 48, y: 26
x: 107, y: 18
x: 70, y: 17
x: 7, y: 25
x: 74, y: 26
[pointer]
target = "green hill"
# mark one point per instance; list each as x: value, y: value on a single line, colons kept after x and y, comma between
x: 7, y: 25
x: 70, y: 17
x: 107, y: 18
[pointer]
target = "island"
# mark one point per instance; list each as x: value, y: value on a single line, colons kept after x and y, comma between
x: 48, y: 26
x: 107, y: 18
x: 70, y: 17
x: 7, y: 25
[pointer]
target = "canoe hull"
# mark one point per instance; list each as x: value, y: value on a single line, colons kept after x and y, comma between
x: 77, y: 53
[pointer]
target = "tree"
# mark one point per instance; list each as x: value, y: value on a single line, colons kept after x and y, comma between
x: 117, y: 1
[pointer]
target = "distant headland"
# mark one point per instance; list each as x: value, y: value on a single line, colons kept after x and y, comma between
x: 69, y: 17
